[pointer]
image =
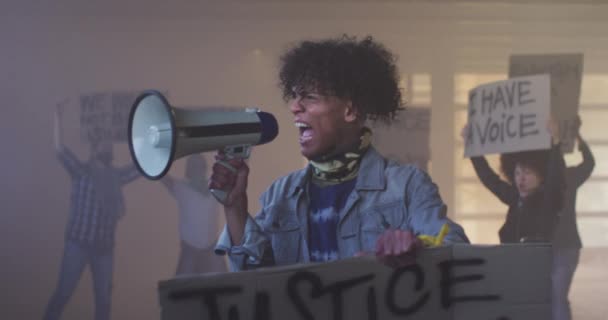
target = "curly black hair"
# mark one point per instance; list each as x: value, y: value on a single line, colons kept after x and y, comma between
x: 363, y: 72
x: 536, y: 160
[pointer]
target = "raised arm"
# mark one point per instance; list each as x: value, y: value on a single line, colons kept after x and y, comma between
x: 69, y: 161
x: 58, y: 127
x: 501, y: 189
x: 580, y: 173
x: 128, y: 173
x: 583, y: 170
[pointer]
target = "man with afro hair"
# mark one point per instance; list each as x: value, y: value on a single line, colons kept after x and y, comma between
x: 349, y: 200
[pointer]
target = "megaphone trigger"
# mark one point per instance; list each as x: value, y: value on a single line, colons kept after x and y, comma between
x: 227, y: 166
x: 220, y: 195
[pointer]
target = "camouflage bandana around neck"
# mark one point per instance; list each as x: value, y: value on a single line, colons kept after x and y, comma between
x: 343, y: 167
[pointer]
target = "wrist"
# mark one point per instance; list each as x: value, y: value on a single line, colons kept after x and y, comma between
x: 237, y: 207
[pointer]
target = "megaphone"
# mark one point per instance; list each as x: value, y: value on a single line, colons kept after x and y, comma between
x: 160, y: 134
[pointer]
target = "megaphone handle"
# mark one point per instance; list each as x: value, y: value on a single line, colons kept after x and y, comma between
x: 220, y: 195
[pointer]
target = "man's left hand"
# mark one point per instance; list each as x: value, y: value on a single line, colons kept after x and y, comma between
x: 397, y: 248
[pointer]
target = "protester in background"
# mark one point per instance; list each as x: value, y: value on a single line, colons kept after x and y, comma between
x: 533, y: 189
x: 199, y: 213
x: 566, y: 241
x: 349, y: 199
x: 534, y: 192
x: 96, y: 205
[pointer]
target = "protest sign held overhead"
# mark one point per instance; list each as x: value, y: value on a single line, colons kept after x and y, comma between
x: 104, y: 115
x: 508, y: 116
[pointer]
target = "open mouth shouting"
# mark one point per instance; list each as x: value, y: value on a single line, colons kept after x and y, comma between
x: 306, y: 131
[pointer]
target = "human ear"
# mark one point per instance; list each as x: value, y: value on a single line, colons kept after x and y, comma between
x: 350, y: 112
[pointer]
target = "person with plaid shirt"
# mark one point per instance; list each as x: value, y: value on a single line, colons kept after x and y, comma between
x: 96, y: 205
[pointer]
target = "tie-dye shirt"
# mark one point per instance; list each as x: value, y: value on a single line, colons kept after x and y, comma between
x: 326, y: 204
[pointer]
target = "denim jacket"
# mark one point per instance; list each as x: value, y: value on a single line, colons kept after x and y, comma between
x: 386, y: 195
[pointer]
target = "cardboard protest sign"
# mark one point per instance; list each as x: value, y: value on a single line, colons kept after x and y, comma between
x: 566, y: 72
x: 508, y: 116
x: 460, y: 282
x: 104, y: 116
x: 407, y: 139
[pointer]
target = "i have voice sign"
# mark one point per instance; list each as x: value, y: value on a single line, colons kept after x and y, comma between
x: 509, y: 116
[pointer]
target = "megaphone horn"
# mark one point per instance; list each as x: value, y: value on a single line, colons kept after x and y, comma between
x: 160, y: 134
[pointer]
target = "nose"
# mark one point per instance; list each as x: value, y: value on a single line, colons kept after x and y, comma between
x: 518, y: 179
x: 295, y: 105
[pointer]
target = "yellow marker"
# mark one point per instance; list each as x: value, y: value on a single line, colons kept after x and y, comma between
x: 430, y: 241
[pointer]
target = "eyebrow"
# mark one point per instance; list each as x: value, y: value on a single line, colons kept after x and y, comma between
x: 304, y: 92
